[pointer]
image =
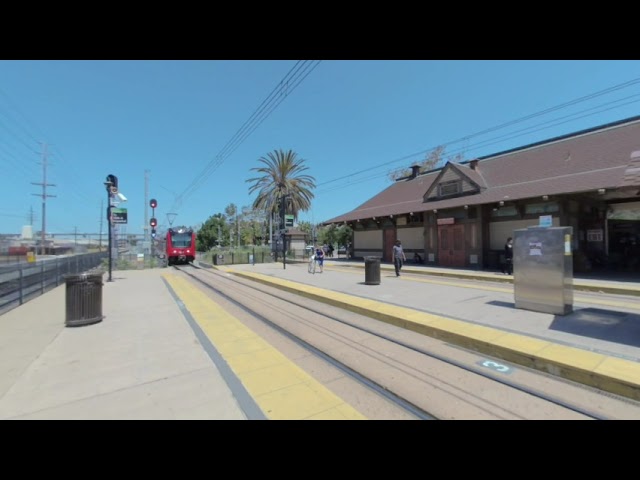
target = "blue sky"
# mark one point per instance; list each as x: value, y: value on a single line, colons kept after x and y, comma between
x: 352, y: 121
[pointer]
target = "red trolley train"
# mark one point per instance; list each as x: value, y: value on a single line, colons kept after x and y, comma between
x: 181, y: 245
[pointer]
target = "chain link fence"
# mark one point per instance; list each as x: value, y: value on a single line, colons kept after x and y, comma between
x: 22, y: 282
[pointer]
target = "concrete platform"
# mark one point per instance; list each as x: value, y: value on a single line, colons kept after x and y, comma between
x: 595, y: 345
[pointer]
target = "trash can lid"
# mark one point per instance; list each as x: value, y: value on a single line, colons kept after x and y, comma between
x: 83, y: 277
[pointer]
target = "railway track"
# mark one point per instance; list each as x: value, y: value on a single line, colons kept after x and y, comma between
x: 419, y: 376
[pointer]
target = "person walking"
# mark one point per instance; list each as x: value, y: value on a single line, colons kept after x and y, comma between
x: 508, y: 256
x: 320, y: 258
x: 398, y: 257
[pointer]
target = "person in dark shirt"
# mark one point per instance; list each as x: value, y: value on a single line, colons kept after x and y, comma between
x: 398, y: 257
x: 508, y: 256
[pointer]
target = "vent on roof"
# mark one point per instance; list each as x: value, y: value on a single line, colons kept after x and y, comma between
x: 473, y: 164
x: 415, y: 170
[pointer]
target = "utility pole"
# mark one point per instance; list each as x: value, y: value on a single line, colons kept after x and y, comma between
x: 146, y: 243
x: 31, y: 216
x: 44, y: 195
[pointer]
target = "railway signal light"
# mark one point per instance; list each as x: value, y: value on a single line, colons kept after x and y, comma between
x: 112, y: 184
x: 153, y: 203
x: 153, y: 222
x: 153, y: 233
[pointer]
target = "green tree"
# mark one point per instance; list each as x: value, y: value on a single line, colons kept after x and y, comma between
x: 212, y: 233
x: 253, y: 226
x: 306, y: 227
x: 344, y: 234
x: 282, y: 174
x: 231, y: 211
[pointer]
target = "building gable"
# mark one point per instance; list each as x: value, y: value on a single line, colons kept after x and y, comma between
x: 450, y: 183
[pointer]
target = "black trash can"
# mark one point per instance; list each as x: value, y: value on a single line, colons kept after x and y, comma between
x: 84, y: 298
x: 372, y: 271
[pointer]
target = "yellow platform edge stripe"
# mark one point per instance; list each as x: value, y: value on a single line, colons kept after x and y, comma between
x: 281, y: 389
x: 615, y: 375
x: 577, y: 285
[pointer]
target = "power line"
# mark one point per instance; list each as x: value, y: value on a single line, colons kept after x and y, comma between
x: 249, y: 126
x: 266, y: 100
x: 76, y: 183
x: 509, y: 136
x: 240, y: 137
x: 29, y: 147
x: 15, y: 107
x: 271, y: 110
x: 494, y: 128
x: 17, y: 163
x: 262, y: 106
x: 283, y: 94
x: 44, y: 195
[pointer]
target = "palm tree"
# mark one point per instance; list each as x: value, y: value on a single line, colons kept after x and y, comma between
x: 282, y: 175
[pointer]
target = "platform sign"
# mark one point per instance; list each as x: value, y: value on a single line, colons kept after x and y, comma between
x: 288, y: 221
x: 546, y: 221
x: 119, y: 215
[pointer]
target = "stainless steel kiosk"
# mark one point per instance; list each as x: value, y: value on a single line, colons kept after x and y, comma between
x: 543, y: 269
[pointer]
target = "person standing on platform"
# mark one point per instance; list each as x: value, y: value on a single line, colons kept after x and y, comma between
x: 508, y: 256
x: 397, y: 256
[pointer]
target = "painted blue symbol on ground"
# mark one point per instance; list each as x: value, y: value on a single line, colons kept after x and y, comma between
x: 498, y: 367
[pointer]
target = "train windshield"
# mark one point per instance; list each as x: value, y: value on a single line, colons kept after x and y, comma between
x: 181, y: 240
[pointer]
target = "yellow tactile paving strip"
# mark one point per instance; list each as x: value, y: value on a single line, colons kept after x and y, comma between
x: 282, y: 390
x: 614, y: 375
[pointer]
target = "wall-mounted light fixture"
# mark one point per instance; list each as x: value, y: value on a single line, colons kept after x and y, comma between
x: 545, y: 197
x: 390, y: 216
x: 466, y: 207
x: 601, y: 191
x: 501, y: 203
x: 410, y: 213
x: 435, y: 210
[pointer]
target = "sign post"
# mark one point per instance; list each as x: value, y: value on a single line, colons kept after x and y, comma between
x: 112, y: 189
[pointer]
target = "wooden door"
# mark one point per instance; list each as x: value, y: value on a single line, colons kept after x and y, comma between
x: 451, y: 246
x: 389, y: 241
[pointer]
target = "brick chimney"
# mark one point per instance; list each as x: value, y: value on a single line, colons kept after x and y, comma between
x: 415, y: 170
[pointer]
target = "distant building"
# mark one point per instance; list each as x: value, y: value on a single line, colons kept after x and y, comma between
x: 27, y: 232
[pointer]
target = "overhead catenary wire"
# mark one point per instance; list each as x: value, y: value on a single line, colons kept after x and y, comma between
x: 213, y: 162
x: 294, y: 77
x: 496, y: 140
x: 220, y: 159
x: 492, y: 129
x: 69, y: 177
